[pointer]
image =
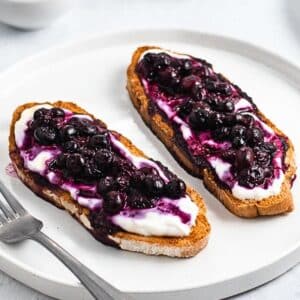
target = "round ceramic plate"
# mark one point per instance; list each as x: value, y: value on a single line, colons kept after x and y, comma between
x: 241, y: 253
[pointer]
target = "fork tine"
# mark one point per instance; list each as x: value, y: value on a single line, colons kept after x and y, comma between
x: 2, y: 220
x: 7, y: 213
x: 11, y: 200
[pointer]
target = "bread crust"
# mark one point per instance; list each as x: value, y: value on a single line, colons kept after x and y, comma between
x: 277, y: 204
x: 171, y: 246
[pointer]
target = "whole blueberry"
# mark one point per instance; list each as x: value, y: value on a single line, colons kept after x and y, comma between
x: 91, y: 171
x: 255, y: 136
x: 68, y: 132
x: 244, y: 158
x: 252, y: 176
x: 244, y: 119
x: 229, y: 155
x: 211, y: 85
x: 137, y: 178
x: 238, y: 131
x: 168, y: 76
x: 228, y: 106
x: 224, y: 89
x: 122, y: 182
x: 215, y: 120
x: 175, y: 188
x: 57, y: 112
x: 269, y: 147
x: 138, y: 201
x: 185, y: 108
x: 39, y: 114
x: 99, y: 140
x: 75, y: 163
x: 71, y: 146
x: 198, y: 118
x: 263, y: 158
x: 188, y: 82
x: 221, y: 134
x: 89, y: 129
x: 154, y: 185
x: 114, y: 202
x: 103, y: 157
x: 105, y: 184
x: 238, y: 142
x: 45, y: 135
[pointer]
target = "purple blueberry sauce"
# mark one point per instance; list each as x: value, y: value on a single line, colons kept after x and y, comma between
x: 212, y: 118
x: 88, y: 160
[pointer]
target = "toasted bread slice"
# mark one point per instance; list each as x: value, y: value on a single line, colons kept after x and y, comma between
x: 153, y: 245
x: 273, y: 205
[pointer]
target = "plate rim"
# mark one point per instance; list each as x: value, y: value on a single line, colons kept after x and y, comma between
x: 266, y: 57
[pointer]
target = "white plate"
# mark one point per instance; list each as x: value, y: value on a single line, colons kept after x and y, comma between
x: 241, y: 253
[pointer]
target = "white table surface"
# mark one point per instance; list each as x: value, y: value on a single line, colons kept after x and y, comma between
x: 272, y: 24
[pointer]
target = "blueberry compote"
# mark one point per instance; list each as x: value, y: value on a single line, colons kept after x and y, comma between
x: 82, y: 156
x: 216, y: 123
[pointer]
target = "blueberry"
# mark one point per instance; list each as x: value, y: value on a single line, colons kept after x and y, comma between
x: 45, y: 135
x: 224, y: 89
x: 139, y: 201
x: 105, y: 184
x: 142, y: 69
x: 57, y: 112
x: 100, y: 140
x: 148, y: 171
x: 268, y: 171
x: 88, y: 130
x: 39, y: 114
x: 87, y: 193
x: 71, y: 146
x: 114, y: 202
x: 229, y: 155
x: 251, y: 177
x: 244, y: 119
x: 103, y: 157
x: 158, y: 60
x: 228, y: 106
x: 221, y: 134
x: 91, y: 171
x: 263, y: 158
x: 61, y: 160
x: 175, y: 188
x: 86, y: 152
x: 244, y: 158
x: 269, y: 147
x: 137, y: 178
x: 238, y: 142
x: 238, y: 131
x: 211, y: 85
x: 120, y: 166
x: 168, y: 77
x: 215, y: 120
x: 68, y: 132
x: 122, y: 182
x: 75, y: 163
x: 198, y: 118
x: 185, y: 108
x: 186, y: 66
x: 255, y: 136
x: 188, y: 82
x: 154, y: 185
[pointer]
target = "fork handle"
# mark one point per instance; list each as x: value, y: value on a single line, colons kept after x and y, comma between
x: 99, y: 288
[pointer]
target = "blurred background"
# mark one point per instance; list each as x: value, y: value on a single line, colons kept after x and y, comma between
x: 271, y: 24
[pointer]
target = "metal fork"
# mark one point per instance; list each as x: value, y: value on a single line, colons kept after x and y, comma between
x: 16, y: 225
